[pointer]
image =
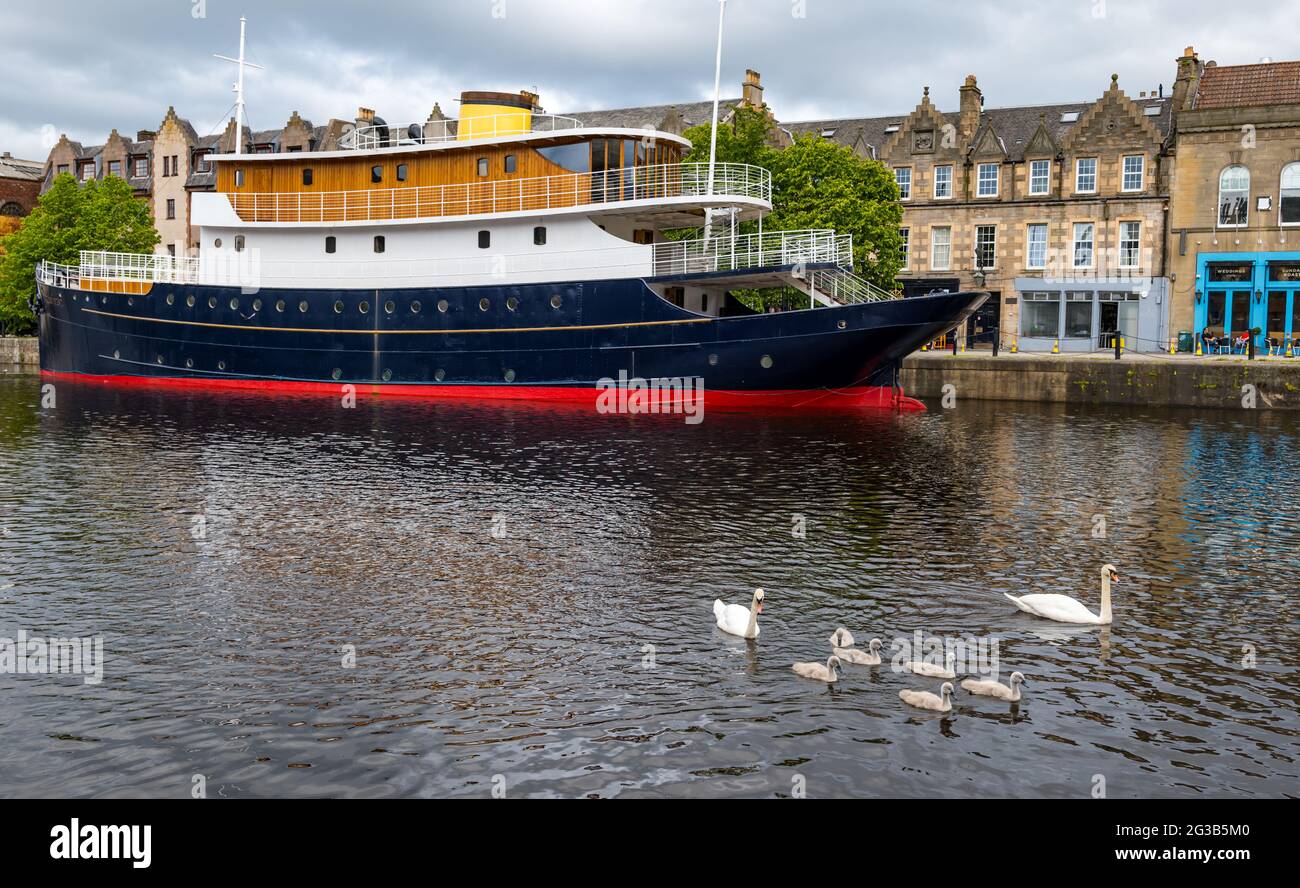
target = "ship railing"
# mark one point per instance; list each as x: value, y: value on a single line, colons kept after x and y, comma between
x: 489, y: 126
x: 766, y: 250
x: 143, y: 267
x: 56, y: 274
x: 636, y: 183
x: 844, y: 287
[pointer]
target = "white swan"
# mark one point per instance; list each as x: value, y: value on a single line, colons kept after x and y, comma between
x: 926, y: 700
x: 860, y: 658
x: 988, y: 688
x: 818, y: 671
x: 738, y: 620
x: 842, y: 638
x: 1065, y: 609
x: 920, y: 667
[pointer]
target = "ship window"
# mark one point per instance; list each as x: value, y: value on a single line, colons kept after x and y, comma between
x: 415, y: 307
x: 376, y: 174
x: 279, y: 305
x: 482, y: 166
x: 390, y: 306
x: 379, y: 243
x: 338, y: 306
x: 234, y: 303
x: 388, y: 374
x: 401, y: 172
x: 364, y: 307
x: 442, y: 306
x: 556, y: 301
x: 239, y: 178
x: 306, y: 176
x: 510, y: 164
x: 257, y: 305
x: 483, y: 304
x: 512, y: 303
x: 189, y: 301
x: 212, y: 302
x: 484, y: 239
x: 440, y: 374
x: 331, y: 244
x: 575, y: 157
x: 239, y: 243
x: 539, y: 235
x: 336, y: 373
x: 217, y: 243
x: 302, y: 306
x: 221, y: 365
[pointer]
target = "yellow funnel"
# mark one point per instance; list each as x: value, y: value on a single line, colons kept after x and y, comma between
x: 486, y: 115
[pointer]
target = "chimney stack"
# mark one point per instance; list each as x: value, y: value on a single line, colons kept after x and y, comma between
x: 751, y: 91
x: 972, y: 100
x: 1189, y: 74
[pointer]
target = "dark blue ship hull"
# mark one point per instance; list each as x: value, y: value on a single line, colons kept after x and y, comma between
x: 529, y: 340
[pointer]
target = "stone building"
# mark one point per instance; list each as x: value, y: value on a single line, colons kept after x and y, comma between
x: 20, y: 185
x: 1234, y: 233
x: 1058, y: 210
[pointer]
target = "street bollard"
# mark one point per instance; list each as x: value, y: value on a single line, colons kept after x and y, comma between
x: 1250, y: 348
x: 997, y: 338
x: 954, y: 343
x: 1118, y: 348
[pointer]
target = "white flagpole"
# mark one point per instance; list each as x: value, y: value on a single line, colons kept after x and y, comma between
x: 239, y: 87
x: 713, y: 136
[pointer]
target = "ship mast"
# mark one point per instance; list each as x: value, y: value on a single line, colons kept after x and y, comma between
x: 239, y: 87
x: 713, y: 138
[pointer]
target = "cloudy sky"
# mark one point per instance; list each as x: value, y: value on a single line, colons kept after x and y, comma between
x: 83, y: 68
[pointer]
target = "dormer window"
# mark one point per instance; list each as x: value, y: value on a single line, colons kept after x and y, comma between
x: 986, y: 183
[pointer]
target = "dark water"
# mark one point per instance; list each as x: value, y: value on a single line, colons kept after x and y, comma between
x: 523, y: 653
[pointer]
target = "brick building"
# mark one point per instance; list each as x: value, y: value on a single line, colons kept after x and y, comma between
x: 1058, y: 210
x: 20, y: 185
x: 1234, y: 237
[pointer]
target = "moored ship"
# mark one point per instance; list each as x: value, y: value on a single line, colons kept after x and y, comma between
x: 507, y: 254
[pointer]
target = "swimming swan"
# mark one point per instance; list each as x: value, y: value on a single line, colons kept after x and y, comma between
x: 987, y: 688
x: 926, y: 700
x: 842, y: 638
x: 818, y: 671
x: 920, y: 667
x: 860, y: 658
x: 738, y: 620
x: 1065, y: 609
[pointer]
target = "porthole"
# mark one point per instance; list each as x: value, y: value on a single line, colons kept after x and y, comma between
x: 713, y: 360
x: 170, y: 298
x: 442, y: 305
x: 415, y: 306
x: 842, y: 324
x: 221, y: 365
x: 257, y: 305
x: 217, y: 243
x: 212, y: 302
x: 117, y: 355
x: 765, y: 362
x: 130, y: 300
x: 302, y: 306
x: 234, y: 303
x: 189, y: 301
x: 338, y: 306
x: 388, y: 374
x: 510, y: 376
x: 364, y: 307
x: 189, y: 362
x: 512, y: 303
x: 390, y: 306
x: 484, y: 304
x: 279, y: 305
x: 103, y: 300
x: 159, y: 359
x: 336, y: 373
x: 439, y: 375
x: 556, y: 301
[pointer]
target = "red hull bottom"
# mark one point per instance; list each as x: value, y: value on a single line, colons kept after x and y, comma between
x: 874, y: 397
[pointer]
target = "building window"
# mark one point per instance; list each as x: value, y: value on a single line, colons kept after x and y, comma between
x: 1036, y: 246
x: 141, y: 167
x: 239, y: 243
x: 1078, y: 315
x: 484, y: 239
x: 201, y: 162
x: 905, y: 250
x: 986, y: 183
x: 903, y: 176
x: 1040, y: 315
x: 87, y: 172
x: 943, y: 181
x: 1083, y: 241
x: 482, y: 166
x: 171, y: 208
x: 376, y: 174
x: 331, y: 244
x: 539, y: 235
x: 1085, y: 175
x: 176, y: 165
x: 115, y: 168
x: 239, y: 178
x: 306, y: 176
x: 379, y: 243
x: 940, y: 248
x: 1289, y: 202
x: 509, y: 163
x: 1234, y: 193
x: 62, y: 168
x: 986, y: 246
x: 1134, y: 167
x: 1130, y: 237
x: 401, y: 172
x: 1040, y: 172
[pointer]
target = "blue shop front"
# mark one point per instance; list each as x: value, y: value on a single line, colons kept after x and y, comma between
x: 1240, y: 292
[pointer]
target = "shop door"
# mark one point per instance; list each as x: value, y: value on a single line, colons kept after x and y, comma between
x: 1275, y: 320
x: 1108, y: 324
x: 983, y: 325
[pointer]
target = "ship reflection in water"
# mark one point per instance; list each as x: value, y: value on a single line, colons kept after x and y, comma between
x: 528, y: 593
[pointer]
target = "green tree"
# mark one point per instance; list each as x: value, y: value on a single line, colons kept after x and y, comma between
x: 68, y: 218
x: 746, y: 139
